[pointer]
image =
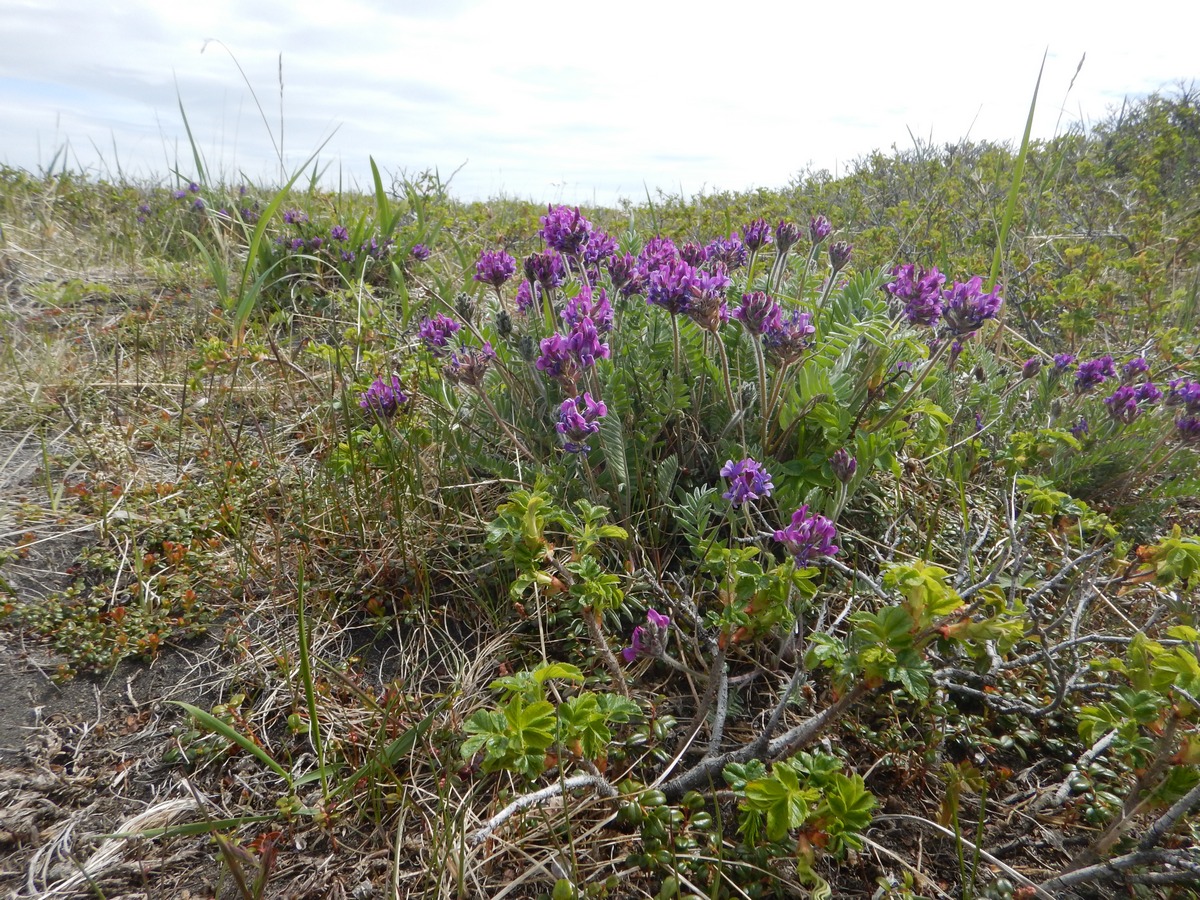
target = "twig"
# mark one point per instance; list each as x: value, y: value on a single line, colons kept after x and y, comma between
x: 481, y: 834
x: 1113, y: 868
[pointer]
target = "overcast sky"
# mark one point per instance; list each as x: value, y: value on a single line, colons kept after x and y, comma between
x: 568, y: 101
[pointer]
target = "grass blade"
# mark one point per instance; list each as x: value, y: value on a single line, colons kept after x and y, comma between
x: 227, y: 731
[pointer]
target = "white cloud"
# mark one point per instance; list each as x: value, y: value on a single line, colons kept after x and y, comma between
x: 554, y: 101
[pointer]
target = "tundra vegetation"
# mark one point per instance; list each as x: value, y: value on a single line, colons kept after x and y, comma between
x: 801, y: 542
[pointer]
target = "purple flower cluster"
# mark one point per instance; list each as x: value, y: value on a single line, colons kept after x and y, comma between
x: 921, y: 292
x: 1135, y: 367
x: 1183, y: 392
x: 758, y: 313
x: 756, y: 235
x: 649, y: 639
x: 1031, y: 367
x: 706, y: 306
x: 565, y: 229
x: 383, y: 398
x: 556, y: 360
x: 787, y: 234
x: 377, y: 249
x: 625, y: 275
x: 495, y: 267
x: 469, y: 365
x: 545, y: 269
x: 526, y: 297
x: 295, y: 217
x: 1094, y: 372
x: 420, y: 252
x: 598, y: 251
x: 808, y: 537
x: 748, y: 480
x: 669, y: 286
x: 819, y: 228
x: 339, y: 233
x: 1080, y: 428
x: 839, y: 255
x: 967, y: 307
x: 578, y: 419
x: 695, y: 255
x: 844, y: 465
x: 1187, y: 429
x: 729, y: 251
x: 589, y: 305
x: 787, y: 340
x: 1063, y: 362
x: 1123, y: 405
x: 435, y: 332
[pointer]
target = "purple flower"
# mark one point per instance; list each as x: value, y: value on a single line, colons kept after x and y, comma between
x: 1184, y: 392
x: 590, y: 306
x: 578, y: 420
x: 525, y: 297
x: 556, y: 359
x: 819, y: 228
x: 420, y: 252
x: 748, y: 480
x: 495, y: 267
x: 1187, y: 429
x: 670, y: 286
x: 564, y: 229
x: 435, y: 332
x: 1094, y: 372
x: 599, y: 248
x: 839, y: 255
x: 920, y: 291
x: 844, y: 465
x: 546, y: 269
x: 758, y: 313
x: 756, y: 235
x: 383, y: 398
x: 624, y: 274
x: 193, y: 187
x: 297, y: 244
x: 657, y: 253
x: 143, y: 211
x: 649, y: 639
x: 786, y: 235
x: 1031, y: 367
x: 693, y: 254
x: 786, y: 341
x: 178, y: 195
x: 585, y: 344
x: 1135, y: 367
x: 375, y: 248
x: 967, y: 307
x: 198, y: 204
x: 295, y: 217
x: 468, y: 366
x: 808, y: 537
x: 315, y: 244
x: 1063, y: 362
x: 347, y: 256
x: 730, y: 251
x: 1148, y: 394
x: 707, y: 306
x: 339, y: 233
x: 1122, y: 404
x: 1080, y: 428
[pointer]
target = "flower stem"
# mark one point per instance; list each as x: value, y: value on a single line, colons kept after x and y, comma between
x: 912, y: 388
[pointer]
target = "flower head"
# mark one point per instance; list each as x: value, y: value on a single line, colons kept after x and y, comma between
x: 578, y: 419
x: 758, y: 313
x: 1135, y: 367
x: 565, y: 229
x: 295, y: 217
x: 706, y: 306
x: 756, y: 235
x: 495, y: 267
x: 1063, y: 362
x: 786, y: 341
x: 844, y: 465
x: 468, y: 366
x: 435, y: 332
x: 839, y: 255
x: 383, y: 398
x: 590, y: 305
x: 1122, y: 404
x: 693, y: 254
x: 649, y: 639
x: 819, y: 228
x: 625, y: 275
x: 556, y: 359
x: 339, y: 233
x: 748, y: 480
x: 1183, y: 392
x: 786, y: 235
x: 546, y: 269
x: 921, y: 292
x: 967, y: 307
x: 808, y: 537
x: 1094, y: 372
x: 1031, y: 367
x: 1080, y: 428
x: 419, y: 252
x: 585, y: 344
x: 670, y: 286
x: 1187, y: 429
x: 730, y: 251
x: 1148, y: 393
x: 525, y: 296
x: 657, y: 253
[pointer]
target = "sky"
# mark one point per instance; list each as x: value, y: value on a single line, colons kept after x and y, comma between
x: 581, y: 103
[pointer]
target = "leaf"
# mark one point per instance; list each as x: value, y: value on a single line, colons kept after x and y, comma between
x: 612, y: 442
x: 212, y: 723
